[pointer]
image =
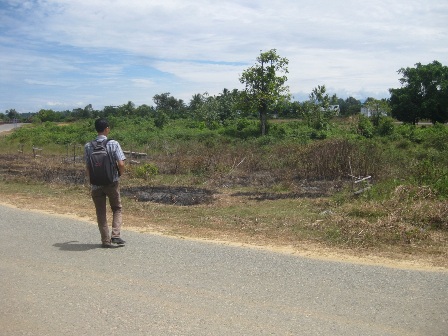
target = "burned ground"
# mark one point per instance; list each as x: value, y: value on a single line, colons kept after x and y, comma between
x: 169, y: 195
x: 57, y: 170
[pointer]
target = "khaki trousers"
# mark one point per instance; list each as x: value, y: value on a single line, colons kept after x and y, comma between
x: 99, y: 194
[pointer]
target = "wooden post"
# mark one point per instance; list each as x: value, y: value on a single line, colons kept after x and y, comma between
x: 35, y: 151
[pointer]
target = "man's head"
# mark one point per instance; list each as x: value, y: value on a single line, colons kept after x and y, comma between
x: 101, y: 125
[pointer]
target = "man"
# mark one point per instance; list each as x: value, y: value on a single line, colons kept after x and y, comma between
x: 111, y: 191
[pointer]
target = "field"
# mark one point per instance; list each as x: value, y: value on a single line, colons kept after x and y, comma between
x: 289, y: 195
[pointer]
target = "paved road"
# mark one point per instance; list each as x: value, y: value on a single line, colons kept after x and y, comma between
x: 8, y: 127
x: 56, y: 280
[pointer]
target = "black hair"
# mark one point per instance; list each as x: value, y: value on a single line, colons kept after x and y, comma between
x: 101, y: 125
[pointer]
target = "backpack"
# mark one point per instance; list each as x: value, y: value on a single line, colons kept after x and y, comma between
x: 102, y: 166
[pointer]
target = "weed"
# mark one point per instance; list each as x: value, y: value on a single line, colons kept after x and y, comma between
x: 145, y: 171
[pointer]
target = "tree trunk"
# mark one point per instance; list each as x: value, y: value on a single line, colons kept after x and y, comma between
x: 263, y: 119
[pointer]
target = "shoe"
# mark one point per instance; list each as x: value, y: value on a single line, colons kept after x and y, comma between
x: 106, y: 245
x: 118, y: 240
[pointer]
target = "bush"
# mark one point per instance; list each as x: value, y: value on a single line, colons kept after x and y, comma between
x: 242, y: 129
x: 364, y: 127
x: 385, y: 126
x: 145, y: 171
x: 436, y: 137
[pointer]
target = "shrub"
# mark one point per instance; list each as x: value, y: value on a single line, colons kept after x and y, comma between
x: 436, y: 137
x: 364, y: 127
x: 145, y: 171
x: 385, y: 126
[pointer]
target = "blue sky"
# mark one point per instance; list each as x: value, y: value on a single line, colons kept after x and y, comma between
x: 61, y: 54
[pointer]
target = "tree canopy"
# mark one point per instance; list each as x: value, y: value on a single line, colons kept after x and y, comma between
x: 423, y: 95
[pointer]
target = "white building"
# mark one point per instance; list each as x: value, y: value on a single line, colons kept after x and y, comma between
x: 332, y: 108
x: 370, y: 112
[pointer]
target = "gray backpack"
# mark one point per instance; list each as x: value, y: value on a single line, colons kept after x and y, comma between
x: 102, y: 166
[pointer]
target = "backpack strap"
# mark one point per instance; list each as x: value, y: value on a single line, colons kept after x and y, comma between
x: 111, y: 157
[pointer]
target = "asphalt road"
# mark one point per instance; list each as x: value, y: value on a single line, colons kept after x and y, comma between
x: 8, y: 127
x: 56, y: 280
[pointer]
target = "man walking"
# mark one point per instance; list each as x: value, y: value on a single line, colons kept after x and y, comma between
x: 111, y: 190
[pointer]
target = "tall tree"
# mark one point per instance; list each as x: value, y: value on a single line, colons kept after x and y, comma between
x: 264, y: 87
x: 423, y: 95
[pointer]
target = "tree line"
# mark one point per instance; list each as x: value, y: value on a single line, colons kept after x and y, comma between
x: 422, y: 96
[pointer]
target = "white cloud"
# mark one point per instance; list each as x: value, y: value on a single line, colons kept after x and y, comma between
x: 37, y: 82
x: 104, y: 50
x: 143, y: 83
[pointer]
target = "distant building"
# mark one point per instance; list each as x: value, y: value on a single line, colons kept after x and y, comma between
x: 370, y: 112
x: 332, y: 108
x: 335, y: 108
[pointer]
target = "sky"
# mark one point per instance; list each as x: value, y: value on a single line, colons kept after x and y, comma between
x: 66, y: 54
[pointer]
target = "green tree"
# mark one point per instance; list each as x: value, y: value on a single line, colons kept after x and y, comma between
x: 349, y: 106
x: 228, y: 104
x: 196, y: 101
x: 47, y: 115
x: 12, y: 114
x: 291, y: 110
x: 208, y: 111
x: 88, y: 111
x: 263, y: 87
x: 379, y: 107
x: 316, y: 111
x: 423, y: 95
x: 126, y: 109
x: 144, y: 111
x: 172, y: 107
x: 161, y: 119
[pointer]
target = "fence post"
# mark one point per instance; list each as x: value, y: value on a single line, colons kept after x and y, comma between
x: 35, y: 151
x: 131, y: 154
x: 364, y: 180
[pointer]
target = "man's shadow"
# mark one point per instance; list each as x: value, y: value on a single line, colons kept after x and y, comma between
x: 72, y: 246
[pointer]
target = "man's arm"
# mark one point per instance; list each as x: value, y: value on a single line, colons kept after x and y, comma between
x: 121, y: 167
